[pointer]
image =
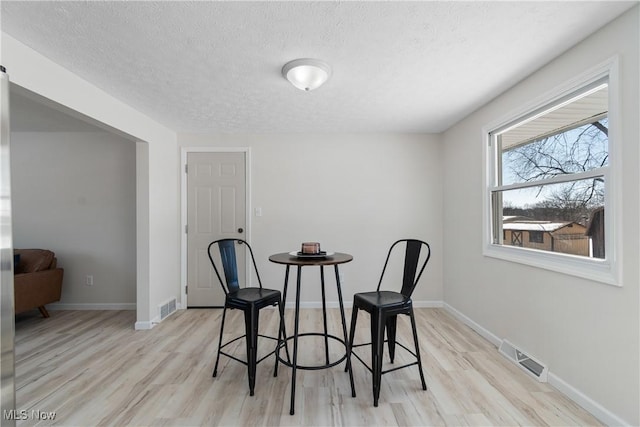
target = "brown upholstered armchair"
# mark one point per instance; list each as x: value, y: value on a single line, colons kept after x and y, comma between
x: 36, y: 280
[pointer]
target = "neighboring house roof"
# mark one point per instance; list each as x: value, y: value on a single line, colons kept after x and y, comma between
x: 512, y: 218
x: 522, y: 223
x: 535, y: 226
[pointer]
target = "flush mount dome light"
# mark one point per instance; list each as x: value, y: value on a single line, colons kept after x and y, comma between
x: 306, y: 74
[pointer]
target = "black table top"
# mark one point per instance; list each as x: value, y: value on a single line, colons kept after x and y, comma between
x: 288, y: 259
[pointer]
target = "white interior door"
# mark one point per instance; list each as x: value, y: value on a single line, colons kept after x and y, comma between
x: 216, y: 209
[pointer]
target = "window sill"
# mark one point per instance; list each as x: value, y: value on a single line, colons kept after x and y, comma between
x: 586, y: 268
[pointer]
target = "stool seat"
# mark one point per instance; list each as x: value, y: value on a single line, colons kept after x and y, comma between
x: 381, y: 300
x: 260, y: 296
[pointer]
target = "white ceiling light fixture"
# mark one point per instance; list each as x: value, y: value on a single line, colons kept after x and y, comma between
x: 306, y: 74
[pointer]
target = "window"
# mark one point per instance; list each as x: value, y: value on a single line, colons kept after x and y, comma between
x: 536, y: 237
x: 549, y: 174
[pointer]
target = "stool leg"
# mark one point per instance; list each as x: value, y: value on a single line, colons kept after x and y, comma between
x: 324, y: 316
x: 377, y: 350
x: 415, y: 340
x: 391, y: 336
x: 296, y: 329
x: 344, y: 330
x: 279, y: 340
x: 354, y: 317
x: 282, y: 338
x: 215, y: 368
x: 283, y: 306
x: 251, y: 328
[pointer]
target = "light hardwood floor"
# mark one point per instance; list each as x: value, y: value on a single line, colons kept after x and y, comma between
x: 92, y: 369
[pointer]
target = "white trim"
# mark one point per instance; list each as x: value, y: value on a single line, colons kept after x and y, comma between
x: 583, y: 267
x: 558, y: 179
x: 590, y: 405
x: 613, y: 179
x: 147, y: 325
x: 183, y: 205
x: 485, y: 333
x: 143, y: 326
x: 428, y: 304
x: 91, y: 306
x: 606, y: 271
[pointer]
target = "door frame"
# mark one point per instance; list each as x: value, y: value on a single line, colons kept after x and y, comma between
x: 184, y: 151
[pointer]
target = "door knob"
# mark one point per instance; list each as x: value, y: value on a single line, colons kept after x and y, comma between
x: 240, y: 230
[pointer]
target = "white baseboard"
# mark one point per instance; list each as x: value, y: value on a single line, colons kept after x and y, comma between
x: 142, y: 326
x: 593, y: 407
x: 148, y: 324
x: 91, y: 306
x: 428, y: 304
x: 590, y: 405
x: 485, y: 333
x: 349, y: 304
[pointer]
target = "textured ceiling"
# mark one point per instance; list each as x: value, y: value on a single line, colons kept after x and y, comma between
x: 215, y: 66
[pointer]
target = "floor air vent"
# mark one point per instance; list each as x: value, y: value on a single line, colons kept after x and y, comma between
x: 167, y: 308
x: 526, y: 362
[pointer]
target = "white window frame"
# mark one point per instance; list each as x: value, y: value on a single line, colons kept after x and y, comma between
x: 606, y: 270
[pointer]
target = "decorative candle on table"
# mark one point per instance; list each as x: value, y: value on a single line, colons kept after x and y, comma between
x: 310, y: 248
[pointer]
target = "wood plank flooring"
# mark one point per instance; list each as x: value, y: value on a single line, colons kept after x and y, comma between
x: 92, y: 369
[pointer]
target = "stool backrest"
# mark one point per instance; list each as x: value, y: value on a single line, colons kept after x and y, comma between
x: 413, y: 265
x: 226, y: 260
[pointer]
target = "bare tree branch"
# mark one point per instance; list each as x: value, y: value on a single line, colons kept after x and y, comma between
x: 582, y: 149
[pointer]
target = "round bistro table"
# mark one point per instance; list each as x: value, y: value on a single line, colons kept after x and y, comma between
x: 330, y: 260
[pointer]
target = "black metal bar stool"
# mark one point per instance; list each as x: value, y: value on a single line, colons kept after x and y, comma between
x: 222, y: 254
x: 384, y: 308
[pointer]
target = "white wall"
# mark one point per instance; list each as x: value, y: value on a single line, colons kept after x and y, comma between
x: 587, y: 332
x: 158, y: 233
x: 74, y: 193
x: 352, y: 193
